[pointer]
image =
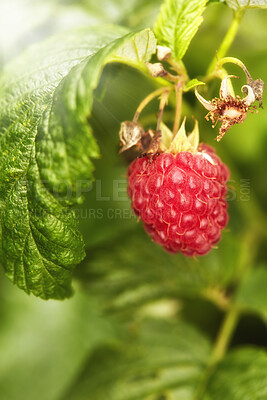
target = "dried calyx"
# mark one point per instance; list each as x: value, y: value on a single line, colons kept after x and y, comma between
x: 130, y: 134
x: 257, y: 85
x: 181, y: 141
x: 155, y: 142
x: 229, y: 109
x: 133, y: 134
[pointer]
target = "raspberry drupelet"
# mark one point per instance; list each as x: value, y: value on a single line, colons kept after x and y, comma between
x: 180, y: 197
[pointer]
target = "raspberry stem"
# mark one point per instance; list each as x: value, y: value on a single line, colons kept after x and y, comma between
x: 162, y: 104
x: 179, y: 68
x: 149, y: 98
x: 225, y: 334
x: 233, y: 313
x: 235, y: 61
x: 227, y: 41
x: 178, y: 110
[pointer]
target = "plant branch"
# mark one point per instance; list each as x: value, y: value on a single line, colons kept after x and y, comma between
x: 227, y: 41
x: 148, y: 99
x: 179, y: 68
x: 225, y: 335
x: 220, y: 348
x: 178, y: 110
x: 162, y: 104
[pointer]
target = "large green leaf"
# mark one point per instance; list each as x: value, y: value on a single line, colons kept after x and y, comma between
x: 240, y: 376
x: 164, y: 361
x: 47, y: 146
x: 129, y: 271
x: 177, y: 24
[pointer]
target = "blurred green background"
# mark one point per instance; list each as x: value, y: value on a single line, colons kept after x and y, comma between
x: 45, y: 347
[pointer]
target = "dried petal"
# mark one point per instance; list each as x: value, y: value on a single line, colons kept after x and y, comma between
x: 258, y: 88
x: 207, y: 104
x: 250, y: 98
x: 225, y: 92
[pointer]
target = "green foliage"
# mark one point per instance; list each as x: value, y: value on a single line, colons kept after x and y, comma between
x: 192, y: 84
x: 165, y: 360
x: 127, y: 275
x: 177, y: 24
x: 252, y: 294
x: 44, y: 344
x: 45, y: 103
x: 144, y: 324
x: 241, y: 376
x: 244, y: 4
x: 216, y: 1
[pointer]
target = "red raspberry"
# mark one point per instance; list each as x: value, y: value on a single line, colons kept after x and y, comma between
x: 181, y: 198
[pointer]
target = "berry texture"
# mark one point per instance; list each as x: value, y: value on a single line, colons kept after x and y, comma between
x: 181, y: 198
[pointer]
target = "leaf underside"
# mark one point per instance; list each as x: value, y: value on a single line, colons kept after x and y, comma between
x: 243, y: 4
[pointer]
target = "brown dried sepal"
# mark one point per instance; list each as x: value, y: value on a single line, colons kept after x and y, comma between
x: 130, y: 134
x: 258, y: 89
x: 156, y: 70
x: 133, y: 134
x: 150, y: 143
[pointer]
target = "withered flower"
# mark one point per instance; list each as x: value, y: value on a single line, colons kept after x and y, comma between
x: 228, y: 109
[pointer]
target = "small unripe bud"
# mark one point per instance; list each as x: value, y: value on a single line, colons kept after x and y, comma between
x: 156, y: 70
x: 163, y: 53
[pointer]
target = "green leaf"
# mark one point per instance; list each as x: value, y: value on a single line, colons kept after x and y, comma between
x: 243, y: 4
x: 252, y: 293
x: 139, y: 49
x: 240, y: 376
x: 131, y: 271
x: 177, y: 24
x: 47, y: 146
x: 215, y: 1
x: 164, y: 361
x: 192, y: 84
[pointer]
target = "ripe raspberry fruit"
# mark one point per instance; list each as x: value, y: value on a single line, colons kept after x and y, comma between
x: 180, y: 196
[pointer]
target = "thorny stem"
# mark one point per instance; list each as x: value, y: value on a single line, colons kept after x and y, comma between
x: 227, y: 41
x: 178, y: 110
x: 148, y: 99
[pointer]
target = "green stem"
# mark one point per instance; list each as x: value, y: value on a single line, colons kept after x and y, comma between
x: 162, y: 104
x: 179, y: 67
x: 225, y: 335
x: 220, y: 348
x: 232, y: 60
x: 227, y: 41
x: 149, y: 98
x: 178, y: 110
